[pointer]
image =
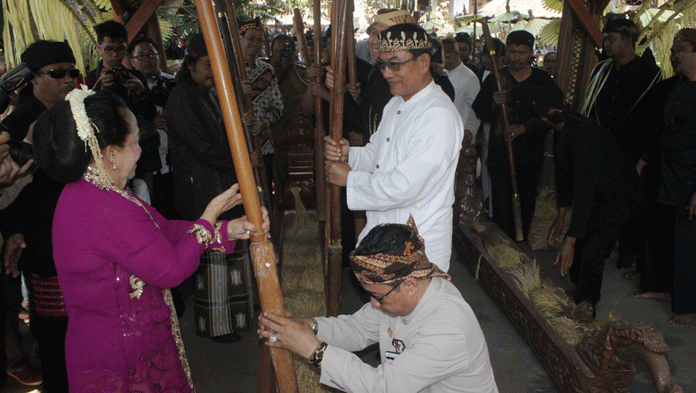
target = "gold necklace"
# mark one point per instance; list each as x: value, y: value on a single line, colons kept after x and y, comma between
x: 104, y: 182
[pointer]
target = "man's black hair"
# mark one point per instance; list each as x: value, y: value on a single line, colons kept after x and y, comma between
x: 138, y: 41
x: 383, y: 238
x: 113, y: 30
x: 463, y: 37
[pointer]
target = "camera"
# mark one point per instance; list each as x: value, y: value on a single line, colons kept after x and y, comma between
x: 287, y: 52
x: 21, y: 152
x: 161, y: 89
x: 120, y: 73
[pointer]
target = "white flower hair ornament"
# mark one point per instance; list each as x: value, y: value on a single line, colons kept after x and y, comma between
x: 85, y: 127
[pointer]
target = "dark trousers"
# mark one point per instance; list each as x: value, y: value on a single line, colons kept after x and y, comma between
x: 671, y: 259
x: 588, y: 266
x: 659, y: 251
x: 527, y: 182
x: 50, y: 334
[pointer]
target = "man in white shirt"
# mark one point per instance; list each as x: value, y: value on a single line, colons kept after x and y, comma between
x: 409, y: 164
x: 429, y: 338
x: 466, y: 85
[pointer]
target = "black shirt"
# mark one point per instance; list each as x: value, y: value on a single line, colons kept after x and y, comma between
x: 594, y: 176
x: 528, y: 147
x: 678, y: 166
x: 623, y: 106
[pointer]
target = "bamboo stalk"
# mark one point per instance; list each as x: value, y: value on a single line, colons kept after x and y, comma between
x: 252, y: 140
x: 336, y: 131
x: 319, y: 132
x: 299, y: 34
x: 261, y: 249
x: 516, y: 205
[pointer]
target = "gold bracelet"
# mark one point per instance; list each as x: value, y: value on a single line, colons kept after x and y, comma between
x: 318, y: 355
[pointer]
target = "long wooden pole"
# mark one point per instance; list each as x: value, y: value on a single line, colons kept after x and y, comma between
x: 319, y: 132
x: 261, y: 249
x: 299, y: 34
x: 352, y: 67
x: 252, y: 140
x: 335, y: 248
x: 516, y: 206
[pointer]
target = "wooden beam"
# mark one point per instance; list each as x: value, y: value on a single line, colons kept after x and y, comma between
x: 141, y: 16
x: 589, y: 23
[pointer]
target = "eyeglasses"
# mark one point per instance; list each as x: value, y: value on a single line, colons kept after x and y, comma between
x: 59, y: 73
x: 109, y: 50
x: 379, y: 299
x: 146, y: 56
x: 393, y: 65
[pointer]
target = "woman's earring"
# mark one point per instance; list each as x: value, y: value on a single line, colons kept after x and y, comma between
x: 113, y: 159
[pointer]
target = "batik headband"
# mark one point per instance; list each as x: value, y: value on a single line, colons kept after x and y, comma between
x: 254, y: 24
x: 408, y: 260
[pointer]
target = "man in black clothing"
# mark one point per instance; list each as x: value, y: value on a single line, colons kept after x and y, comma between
x: 619, y: 99
x: 599, y: 181
x: 29, y: 218
x: 673, y: 268
x: 524, y: 84
x: 202, y: 166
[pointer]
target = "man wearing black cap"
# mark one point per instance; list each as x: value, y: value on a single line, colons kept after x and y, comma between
x: 202, y: 165
x: 53, y: 65
x: 29, y: 218
x: 522, y: 85
x: 409, y: 164
x: 620, y: 98
x: 429, y: 338
x: 599, y: 181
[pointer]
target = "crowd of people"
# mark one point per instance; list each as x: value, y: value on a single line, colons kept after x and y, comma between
x: 131, y: 191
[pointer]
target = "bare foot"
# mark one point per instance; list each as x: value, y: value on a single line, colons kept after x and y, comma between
x: 661, y: 296
x: 683, y: 320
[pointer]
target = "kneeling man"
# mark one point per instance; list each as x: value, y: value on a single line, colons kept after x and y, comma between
x: 429, y: 338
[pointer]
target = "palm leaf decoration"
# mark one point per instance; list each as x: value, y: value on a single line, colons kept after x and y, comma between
x: 549, y: 33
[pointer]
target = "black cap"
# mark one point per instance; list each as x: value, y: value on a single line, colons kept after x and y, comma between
x: 43, y: 52
x: 622, y: 26
x: 196, y: 47
x: 520, y: 37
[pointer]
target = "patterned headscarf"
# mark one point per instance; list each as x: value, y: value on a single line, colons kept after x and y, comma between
x: 686, y: 34
x: 406, y: 261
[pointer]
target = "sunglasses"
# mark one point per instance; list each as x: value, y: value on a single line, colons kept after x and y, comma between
x: 379, y: 299
x: 393, y: 65
x: 59, y: 73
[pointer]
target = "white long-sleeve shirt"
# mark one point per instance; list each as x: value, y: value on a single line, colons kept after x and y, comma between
x: 466, y: 88
x: 437, y: 348
x: 408, y: 168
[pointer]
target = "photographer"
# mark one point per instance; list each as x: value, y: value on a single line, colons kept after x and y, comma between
x: 111, y: 75
x: 26, y: 222
x: 298, y: 104
x: 130, y: 85
x: 145, y: 58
